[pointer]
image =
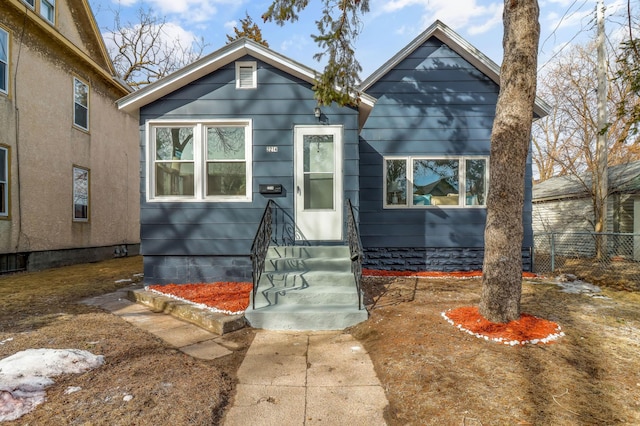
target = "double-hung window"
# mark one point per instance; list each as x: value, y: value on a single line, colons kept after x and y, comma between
x: 201, y: 161
x: 419, y: 182
x: 4, y: 182
x: 48, y: 10
x: 80, y: 194
x: 4, y: 61
x: 80, y: 104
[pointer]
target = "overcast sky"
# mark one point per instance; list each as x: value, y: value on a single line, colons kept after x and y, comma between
x: 388, y: 27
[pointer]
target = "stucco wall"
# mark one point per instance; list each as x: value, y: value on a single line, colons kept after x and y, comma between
x: 40, y: 104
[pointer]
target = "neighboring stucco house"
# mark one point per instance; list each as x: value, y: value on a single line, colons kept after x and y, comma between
x: 69, y: 159
x: 564, y: 203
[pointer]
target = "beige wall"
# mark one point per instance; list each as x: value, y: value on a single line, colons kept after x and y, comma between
x: 49, y: 146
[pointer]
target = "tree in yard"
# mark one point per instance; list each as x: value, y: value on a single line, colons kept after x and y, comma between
x: 502, y: 269
x: 510, y: 137
x: 629, y: 70
x: 248, y: 29
x: 149, y: 49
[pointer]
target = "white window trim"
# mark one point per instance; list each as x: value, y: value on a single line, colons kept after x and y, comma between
x: 254, y: 73
x: 6, y: 180
x: 461, y: 181
x: 199, y: 160
x: 8, y: 46
x: 73, y: 194
x: 79, y: 126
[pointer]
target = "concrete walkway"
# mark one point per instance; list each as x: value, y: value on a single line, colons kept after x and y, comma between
x: 286, y: 378
x: 307, y: 378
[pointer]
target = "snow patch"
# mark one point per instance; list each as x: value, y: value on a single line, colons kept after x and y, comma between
x: 25, y: 375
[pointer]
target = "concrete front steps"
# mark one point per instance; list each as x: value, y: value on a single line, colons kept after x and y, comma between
x: 306, y: 288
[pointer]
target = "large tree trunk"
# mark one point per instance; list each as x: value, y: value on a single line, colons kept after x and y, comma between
x: 510, y: 139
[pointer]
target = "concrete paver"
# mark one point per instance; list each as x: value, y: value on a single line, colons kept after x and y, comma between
x: 286, y: 378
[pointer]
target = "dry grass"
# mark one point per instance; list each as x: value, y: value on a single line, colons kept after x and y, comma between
x: 437, y: 375
x: 433, y: 374
x: 41, y: 310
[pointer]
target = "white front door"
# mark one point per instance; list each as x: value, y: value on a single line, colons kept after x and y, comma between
x: 318, y: 182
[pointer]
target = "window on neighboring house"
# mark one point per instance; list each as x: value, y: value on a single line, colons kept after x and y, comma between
x: 31, y: 3
x: 80, y: 194
x: 4, y: 181
x: 80, y: 104
x: 48, y: 10
x: 246, y: 75
x: 200, y: 161
x: 4, y: 61
x: 415, y: 182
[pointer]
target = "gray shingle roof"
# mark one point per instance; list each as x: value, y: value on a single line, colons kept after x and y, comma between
x: 622, y: 178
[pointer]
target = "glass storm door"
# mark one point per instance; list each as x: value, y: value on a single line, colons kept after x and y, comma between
x: 318, y: 182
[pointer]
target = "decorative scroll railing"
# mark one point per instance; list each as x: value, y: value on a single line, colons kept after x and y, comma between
x: 260, y: 246
x: 355, y: 249
x: 276, y: 227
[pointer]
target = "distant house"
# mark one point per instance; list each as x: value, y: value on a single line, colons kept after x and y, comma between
x: 69, y: 159
x: 565, y: 204
x: 239, y: 127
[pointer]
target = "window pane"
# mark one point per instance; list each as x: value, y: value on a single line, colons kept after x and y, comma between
x: 396, y: 182
x: 81, y: 116
x: 226, y: 179
x: 4, y: 194
x: 4, y: 60
x: 435, y: 182
x: 80, y: 193
x: 30, y: 2
x: 225, y: 143
x: 174, y: 143
x: 47, y: 9
x: 3, y: 165
x: 318, y: 191
x: 318, y: 154
x: 80, y: 93
x: 174, y: 179
x: 475, y: 186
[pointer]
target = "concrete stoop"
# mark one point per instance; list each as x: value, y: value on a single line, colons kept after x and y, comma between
x: 214, y: 322
x: 306, y: 288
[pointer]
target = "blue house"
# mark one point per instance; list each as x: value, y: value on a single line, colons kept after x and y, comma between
x: 245, y: 177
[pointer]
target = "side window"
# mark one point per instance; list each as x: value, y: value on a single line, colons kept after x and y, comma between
x: 418, y: 182
x: 4, y: 61
x: 80, y: 104
x: 48, y: 10
x: 4, y: 182
x: 31, y: 3
x: 246, y: 75
x: 80, y: 194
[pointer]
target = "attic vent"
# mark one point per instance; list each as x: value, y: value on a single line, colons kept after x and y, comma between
x: 246, y: 75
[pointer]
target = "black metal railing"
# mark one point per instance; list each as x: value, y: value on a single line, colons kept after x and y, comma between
x: 260, y: 246
x: 355, y: 249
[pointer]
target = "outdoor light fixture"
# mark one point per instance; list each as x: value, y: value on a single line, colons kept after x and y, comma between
x: 317, y: 112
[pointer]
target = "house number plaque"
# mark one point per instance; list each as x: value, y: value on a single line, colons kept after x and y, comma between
x: 272, y: 149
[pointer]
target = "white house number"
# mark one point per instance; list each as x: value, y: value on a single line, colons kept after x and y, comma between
x: 272, y: 149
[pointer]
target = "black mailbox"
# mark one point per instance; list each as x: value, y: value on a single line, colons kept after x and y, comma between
x: 271, y: 188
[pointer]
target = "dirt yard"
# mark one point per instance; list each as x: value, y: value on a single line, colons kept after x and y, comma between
x: 437, y: 375
x: 432, y: 373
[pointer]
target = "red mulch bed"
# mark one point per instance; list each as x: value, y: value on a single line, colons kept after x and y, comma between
x: 227, y: 297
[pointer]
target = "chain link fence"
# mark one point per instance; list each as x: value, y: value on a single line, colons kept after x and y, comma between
x: 608, y: 259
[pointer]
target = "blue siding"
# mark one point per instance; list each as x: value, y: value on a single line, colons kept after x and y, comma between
x: 219, y: 234
x: 432, y: 103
